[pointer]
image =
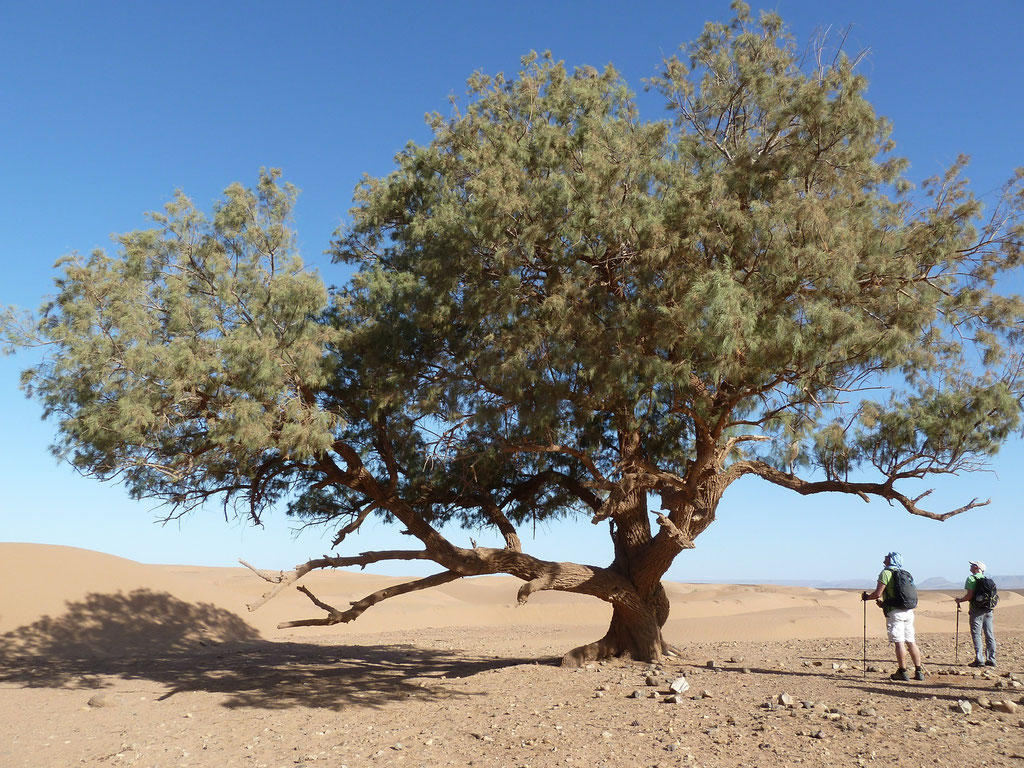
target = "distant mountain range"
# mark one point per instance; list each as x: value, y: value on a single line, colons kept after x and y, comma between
x: 931, y: 583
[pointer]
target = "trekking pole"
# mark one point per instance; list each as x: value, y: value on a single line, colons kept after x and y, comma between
x: 956, y: 642
x: 865, y: 637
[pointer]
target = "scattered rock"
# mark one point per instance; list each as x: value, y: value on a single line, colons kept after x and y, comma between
x: 656, y: 681
x: 867, y: 712
x: 984, y: 703
x: 101, y: 700
x: 1006, y: 706
x: 735, y: 659
x: 679, y: 685
x: 674, y: 699
x: 712, y: 665
x: 963, y: 706
x: 785, y: 699
x: 635, y: 695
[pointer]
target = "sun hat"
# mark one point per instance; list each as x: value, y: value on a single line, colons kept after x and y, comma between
x: 981, y: 565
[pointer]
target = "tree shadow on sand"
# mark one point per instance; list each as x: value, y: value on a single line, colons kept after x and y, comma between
x: 186, y: 647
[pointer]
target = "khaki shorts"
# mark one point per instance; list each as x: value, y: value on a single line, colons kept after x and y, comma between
x: 900, y: 626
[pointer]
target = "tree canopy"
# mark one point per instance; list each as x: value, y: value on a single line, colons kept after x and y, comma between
x: 558, y: 308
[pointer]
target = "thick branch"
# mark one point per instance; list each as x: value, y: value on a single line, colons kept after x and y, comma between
x: 673, y: 532
x: 882, y: 490
x: 582, y: 457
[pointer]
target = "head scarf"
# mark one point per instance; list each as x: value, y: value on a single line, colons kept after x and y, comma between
x: 895, y: 560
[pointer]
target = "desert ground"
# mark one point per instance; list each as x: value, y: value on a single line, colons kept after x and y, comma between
x: 109, y: 662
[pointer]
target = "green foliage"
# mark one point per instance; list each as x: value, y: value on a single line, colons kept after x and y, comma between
x: 554, y: 299
x: 753, y: 265
x: 183, y: 364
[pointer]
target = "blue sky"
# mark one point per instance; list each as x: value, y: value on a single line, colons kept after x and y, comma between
x: 106, y: 108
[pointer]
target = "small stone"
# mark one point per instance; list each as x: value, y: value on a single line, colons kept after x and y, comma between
x: 674, y: 699
x: 679, y: 685
x: 745, y: 671
x: 984, y: 703
x: 655, y: 681
x: 1006, y: 706
x: 635, y: 695
x: 712, y: 665
x: 598, y: 694
x: 867, y: 712
x: 736, y: 660
x: 963, y: 706
x: 101, y: 700
x: 785, y: 700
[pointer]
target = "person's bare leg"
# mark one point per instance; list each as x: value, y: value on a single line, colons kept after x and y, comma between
x: 901, y: 655
x: 915, y: 654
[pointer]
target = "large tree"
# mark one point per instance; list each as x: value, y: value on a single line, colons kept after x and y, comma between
x: 559, y: 309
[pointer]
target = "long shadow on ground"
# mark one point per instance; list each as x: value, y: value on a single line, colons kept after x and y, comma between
x: 147, y: 635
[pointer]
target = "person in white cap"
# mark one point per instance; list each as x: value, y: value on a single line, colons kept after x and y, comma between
x: 982, y: 595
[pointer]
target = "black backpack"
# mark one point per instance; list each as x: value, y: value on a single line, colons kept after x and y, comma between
x: 985, y: 594
x: 904, y: 593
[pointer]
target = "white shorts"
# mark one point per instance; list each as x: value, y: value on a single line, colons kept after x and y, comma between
x: 900, y: 626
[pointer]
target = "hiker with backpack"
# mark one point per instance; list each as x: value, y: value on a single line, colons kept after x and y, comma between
x: 896, y: 594
x: 983, y: 596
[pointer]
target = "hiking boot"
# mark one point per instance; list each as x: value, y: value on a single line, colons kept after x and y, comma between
x: 976, y: 664
x: 919, y: 674
x: 990, y: 663
x: 899, y: 674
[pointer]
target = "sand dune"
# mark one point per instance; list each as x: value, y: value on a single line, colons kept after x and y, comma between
x: 106, y: 661
x: 49, y: 579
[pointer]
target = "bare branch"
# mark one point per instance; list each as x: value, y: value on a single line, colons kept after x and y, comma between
x: 362, y: 560
x: 864, y: 490
x: 264, y: 574
x: 354, y: 525
x: 338, y: 617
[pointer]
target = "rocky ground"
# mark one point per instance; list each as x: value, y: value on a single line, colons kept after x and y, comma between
x: 494, y: 697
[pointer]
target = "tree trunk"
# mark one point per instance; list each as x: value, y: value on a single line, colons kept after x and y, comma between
x: 634, y: 633
x: 637, y: 618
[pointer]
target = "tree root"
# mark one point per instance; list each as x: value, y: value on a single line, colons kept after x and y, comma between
x: 605, y: 648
